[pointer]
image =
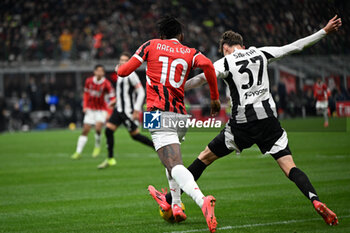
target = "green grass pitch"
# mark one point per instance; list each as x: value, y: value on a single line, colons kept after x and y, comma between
x: 43, y: 190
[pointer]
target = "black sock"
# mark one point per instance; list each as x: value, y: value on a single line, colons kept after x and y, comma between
x: 196, y: 168
x: 110, y: 141
x: 143, y: 139
x: 303, y: 183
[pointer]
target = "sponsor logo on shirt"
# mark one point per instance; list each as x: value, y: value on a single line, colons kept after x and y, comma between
x: 255, y: 93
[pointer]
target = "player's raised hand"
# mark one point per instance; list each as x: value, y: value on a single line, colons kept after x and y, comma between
x: 215, y: 107
x: 333, y: 24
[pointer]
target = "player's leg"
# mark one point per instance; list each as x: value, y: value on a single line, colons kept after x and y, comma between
x: 175, y: 192
x: 171, y: 158
x: 134, y: 131
x: 100, y: 119
x: 82, y: 140
x: 296, y: 175
x: 98, y: 129
x: 322, y: 109
x: 112, y: 125
x: 325, y: 115
x: 137, y: 136
x: 205, y: 158
x: 219, y: 147
x: 109, y: 133
x: 289, y: 168
x: 274, y: 141
x: 167, y: 144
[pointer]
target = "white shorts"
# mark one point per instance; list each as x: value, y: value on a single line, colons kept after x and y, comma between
x: 168, y: 133
x: 322, y: 104
x: 93, y: 116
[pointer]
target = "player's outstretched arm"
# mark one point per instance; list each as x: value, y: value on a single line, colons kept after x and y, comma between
x: 200, y: 79
x: 127, y: 68
x: 204, y: 63
x: 274, y: 53
x: 135, y: 61
x: 196, y: 81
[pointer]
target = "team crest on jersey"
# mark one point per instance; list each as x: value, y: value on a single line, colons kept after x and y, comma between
x: 152, y: 120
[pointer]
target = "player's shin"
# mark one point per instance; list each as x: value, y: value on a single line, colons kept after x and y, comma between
x: 303, y: 183
x: 110, y: 141
x: 175, y: 190
x: 325, y: 115
x: 187, y: 183
x: 196, y: 168
x: 97, y: 139
x: 81, y: 143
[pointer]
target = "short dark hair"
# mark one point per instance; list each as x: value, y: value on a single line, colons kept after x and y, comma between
x: 169, y: 27
x: 99, y: 66
x: 127, y: 54
x: 230, y: 38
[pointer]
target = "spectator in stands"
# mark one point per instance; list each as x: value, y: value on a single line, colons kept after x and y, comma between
x: 25, y: 107
x: 97, y: 46
x: 31, y: 32
x: 66, y: 43
x: 2, y: 115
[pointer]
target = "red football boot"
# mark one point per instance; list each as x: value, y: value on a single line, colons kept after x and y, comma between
x: 208, y: 212
x: 159, y: 197
x: 328, y: 216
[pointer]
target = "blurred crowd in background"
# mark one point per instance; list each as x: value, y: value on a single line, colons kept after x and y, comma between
x: 63, y: 30
x: 52, y: 103
x: 81, y: 29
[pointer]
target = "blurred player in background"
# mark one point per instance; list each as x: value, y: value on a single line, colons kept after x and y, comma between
x: 128, y: 106
x: 96, y: 89
x: 254, y: 116
x: 168, y: 66
x: 321, y: 94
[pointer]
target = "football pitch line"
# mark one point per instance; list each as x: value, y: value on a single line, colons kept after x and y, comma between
x: 256, y: 225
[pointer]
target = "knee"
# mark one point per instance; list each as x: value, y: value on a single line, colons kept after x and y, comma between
x: 85, y: 132
x: 108, y: 132
x: 207, y: 156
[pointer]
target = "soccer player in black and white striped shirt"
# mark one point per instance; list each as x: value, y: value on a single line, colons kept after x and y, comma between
x: 130, y: 96
x: 254, y: 119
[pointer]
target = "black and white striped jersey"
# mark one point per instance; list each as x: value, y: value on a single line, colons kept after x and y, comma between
x: 245, y: 73
x: 130, y: 94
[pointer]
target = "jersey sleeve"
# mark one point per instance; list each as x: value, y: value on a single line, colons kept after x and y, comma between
x: 200, y: 79
x: 142, y: 52
x: 135, y: 80
x: 110, y: 91
x: 220, y: 68
x: 135, y: 61
x: 274, y: 53
x: 201, y: 61
x: 140, y: 92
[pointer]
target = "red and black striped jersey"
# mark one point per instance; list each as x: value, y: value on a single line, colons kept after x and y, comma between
x: 321, y: 92
x: 95, y: 92
x: 168, y: 66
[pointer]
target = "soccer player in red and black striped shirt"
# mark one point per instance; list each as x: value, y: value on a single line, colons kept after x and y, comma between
x: 168, y: 66
x: 95, y: 107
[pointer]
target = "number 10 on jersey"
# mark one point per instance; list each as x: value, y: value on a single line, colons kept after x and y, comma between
x: 173, y: 65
